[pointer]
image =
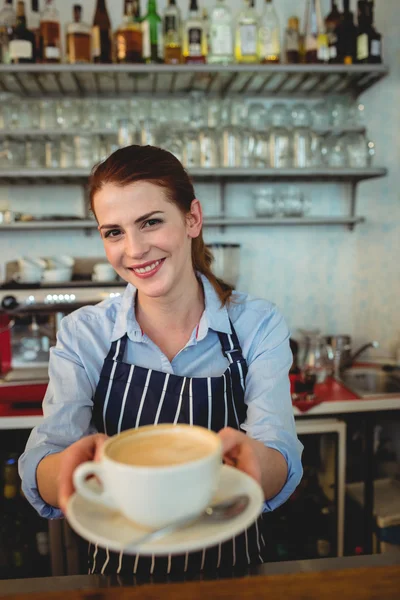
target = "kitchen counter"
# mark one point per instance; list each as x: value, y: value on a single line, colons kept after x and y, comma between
x: 351, y: 578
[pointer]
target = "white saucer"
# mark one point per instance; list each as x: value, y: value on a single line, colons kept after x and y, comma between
x: 110, y: 529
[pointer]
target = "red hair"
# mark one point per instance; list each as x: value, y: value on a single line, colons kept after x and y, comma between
x: 160, y: 167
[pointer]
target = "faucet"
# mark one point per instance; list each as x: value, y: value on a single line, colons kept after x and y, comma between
x: 373, y: 344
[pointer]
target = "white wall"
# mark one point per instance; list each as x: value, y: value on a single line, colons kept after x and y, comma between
x: 340, y: 281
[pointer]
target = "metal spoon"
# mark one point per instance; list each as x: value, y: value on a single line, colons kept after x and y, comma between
x: 223, y: 511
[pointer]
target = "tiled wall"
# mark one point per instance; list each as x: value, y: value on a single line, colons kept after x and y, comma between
x: 340, y: 281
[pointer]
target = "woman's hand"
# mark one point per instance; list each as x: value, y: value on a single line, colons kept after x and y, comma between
x: 88, y: 448
x: 266, y: 465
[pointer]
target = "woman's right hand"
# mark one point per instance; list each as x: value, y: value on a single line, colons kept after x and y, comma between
x: 88, y: 448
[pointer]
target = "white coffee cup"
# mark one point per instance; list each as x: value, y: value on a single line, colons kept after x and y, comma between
x: 57, y: 275
x: 103, y: 272
x: 148, y: 486
x: 27, y: 275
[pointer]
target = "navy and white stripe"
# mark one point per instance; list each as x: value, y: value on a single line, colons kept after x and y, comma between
x: 131, y: 396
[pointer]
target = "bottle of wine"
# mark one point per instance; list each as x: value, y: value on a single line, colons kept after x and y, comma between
x: 152, y: 34
x: 22, y: 44
x: 369, y: 41
x: 101, y: 34
x: 172, y: 34
x: 269, y: 43
x: 316, y: 41
x: 50, y: 33
x: 34, y: 26
x: 7, y: 23
x: 346, y: 35
x: 194, y: 36
x: 332, y: 21
x: 292, y: 41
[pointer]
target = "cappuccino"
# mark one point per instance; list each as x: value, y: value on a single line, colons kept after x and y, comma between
x: 161, y: 449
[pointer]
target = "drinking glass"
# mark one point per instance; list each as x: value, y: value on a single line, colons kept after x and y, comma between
x: 86, y: 150
x: 191, y: 149
x: 294, y: 203
x: 35, y: 156
x: 208, y: 148
x: 67, y: 152
x: 174, y: 144
x: 302, y: 147
x: 148, y: 132
x: 248, y: 142
x: 301, y: 116
x: 265, y: 202
x: 339, y: 112
x: 8, y: 110
x: 320, y: 116
x: 89, y: 113
x: 126, y: 133
x: 238, y: 113
x: 68, y: 114
x: 230, y: 147
x: 261, y: 150
x: 48, y: 114
x: 257, y: 116
x: 280, y: 148
x: 336, y: 154
x: 213, y: 113
x: 357, y: 150
x: 52, y: 154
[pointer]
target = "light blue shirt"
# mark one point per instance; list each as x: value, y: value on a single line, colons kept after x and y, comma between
x: 84, y: 339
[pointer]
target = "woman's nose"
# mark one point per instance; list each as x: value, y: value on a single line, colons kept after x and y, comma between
x: 135, y: 246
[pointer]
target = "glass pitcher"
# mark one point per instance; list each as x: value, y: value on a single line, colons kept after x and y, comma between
x: 317, y: 362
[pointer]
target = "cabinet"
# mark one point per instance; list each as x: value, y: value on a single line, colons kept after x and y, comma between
x: 305, y: 82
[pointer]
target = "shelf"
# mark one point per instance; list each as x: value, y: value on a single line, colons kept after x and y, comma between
x: 17, y: 176
x: 54, y: 133
x: 208, y: 222
x: 166, y: 80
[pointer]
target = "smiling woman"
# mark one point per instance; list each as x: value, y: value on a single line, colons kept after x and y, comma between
x: 179, y: 346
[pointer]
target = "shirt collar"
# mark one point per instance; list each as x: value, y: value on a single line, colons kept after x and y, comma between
x: 214, y: 316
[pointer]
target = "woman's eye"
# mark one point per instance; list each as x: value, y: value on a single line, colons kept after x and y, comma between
x: 152, y: 222
x: 112, y: 233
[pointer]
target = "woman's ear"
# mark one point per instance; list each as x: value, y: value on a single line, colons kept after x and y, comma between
x: 194, y: 219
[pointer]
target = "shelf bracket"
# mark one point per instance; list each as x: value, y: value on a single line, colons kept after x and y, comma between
x: 222, y: 201
x: 353, y: 201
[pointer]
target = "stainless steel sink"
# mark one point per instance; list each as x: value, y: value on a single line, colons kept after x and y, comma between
x: 365, y: 381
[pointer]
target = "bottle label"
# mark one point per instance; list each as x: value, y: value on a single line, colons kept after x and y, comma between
x: 322, y: 48
x: 375, y: 48
x: 248, y: 39
x: 311, y: 43
x: 221, y: 40
x: 362, y: 46
x: 195, y: 35
x: 170, y: 24
x: 269, y: 42
x: 96, y: 41
x: 52, y: 53
x: 292, y: 41
x: 332, y: 52
x: 146, y: 39
x: 21, y: 49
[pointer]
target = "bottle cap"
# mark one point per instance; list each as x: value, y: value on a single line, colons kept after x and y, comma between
x: 293, y: 23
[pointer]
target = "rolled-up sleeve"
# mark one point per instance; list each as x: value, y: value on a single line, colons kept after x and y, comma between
x: 67, y: 409
x: 269, y: 416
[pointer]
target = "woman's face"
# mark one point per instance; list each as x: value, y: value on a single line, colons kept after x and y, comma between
x: 147, y: 239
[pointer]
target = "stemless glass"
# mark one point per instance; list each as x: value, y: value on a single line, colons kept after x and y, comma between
x: 248, y: 142
x: 48, y: 114
x: 148, y: 132
x: 191, y: 149
x: 302, y: 147
x: 336, y: 152
x: 53, y: 154
x: 265, y: 202
x: 320, y: 116
x: 67, y: 153
x: 35, y: 156
x: 174, y: 144
x: 68, y: 114
x: 208, y: 148
x: 261, y: 150
x: 357, y: 150
x: 90, y: 113
x: 86, y: 150
x: 126, y: 133
x: 257, y: 116
x: 301, y: 116
x: 230, y: 147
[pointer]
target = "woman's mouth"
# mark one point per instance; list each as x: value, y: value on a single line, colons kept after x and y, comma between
x: 148, y: 270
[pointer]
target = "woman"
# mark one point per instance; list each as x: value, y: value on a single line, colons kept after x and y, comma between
x: 217, y: 358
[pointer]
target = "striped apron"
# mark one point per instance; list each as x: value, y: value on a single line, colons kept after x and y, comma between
x: 129, y: 396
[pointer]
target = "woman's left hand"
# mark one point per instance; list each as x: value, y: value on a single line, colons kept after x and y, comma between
x: 242, y: 452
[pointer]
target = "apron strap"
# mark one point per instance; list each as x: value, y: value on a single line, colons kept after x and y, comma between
x: 230, y: 344
x: 117, y: 350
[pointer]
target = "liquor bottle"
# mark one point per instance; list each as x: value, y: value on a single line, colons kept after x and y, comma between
x: 346, y: 34
x: 194, y: 36
x: 247, y: 34
x: 269, y: 42
x: 50, y: 33
x: 34, y: 26
x: 221, y: 35
x: 101, y: 34
x: 79, y: 39
x: 292, y: 41
x: 22, y: 44
x: 129, y: 37
x: 332, y: 21
x: 172, y: 34
x: 316, y: 41
x: 152, y: 34
x: 7, y: 23
x: 369, y: 41
x: 15, y: 553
